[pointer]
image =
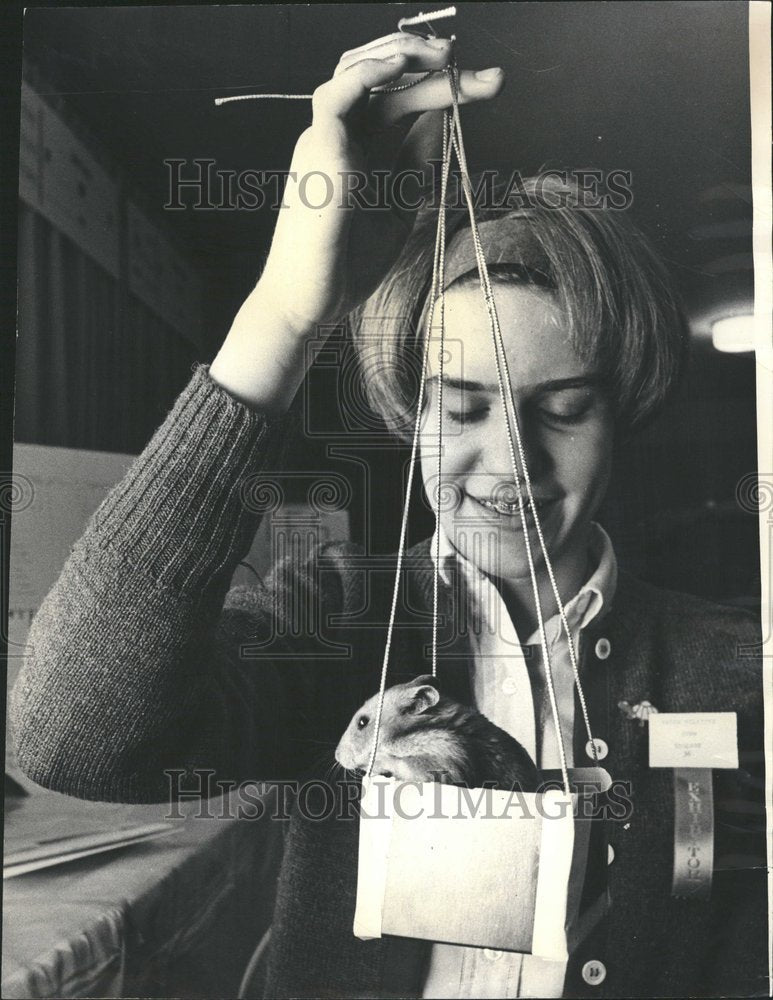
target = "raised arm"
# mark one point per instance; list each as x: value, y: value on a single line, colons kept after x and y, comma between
x: 133, y: 667
x: 123, y: 674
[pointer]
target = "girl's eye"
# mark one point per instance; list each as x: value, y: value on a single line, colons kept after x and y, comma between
x: 564, y: 418
x: 468, y: 416
x: 362, y: 721
x: 573, y: 411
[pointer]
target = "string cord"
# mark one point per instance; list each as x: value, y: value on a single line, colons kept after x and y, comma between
x: 439, y: 270
x: 457, y: 143
x: 421, y: 19
x: 437, y: 266
x: 396, y: 88
x: 499, y: 347
x: 499, y: 350
x: 453, y: 139
x: 527, y: 479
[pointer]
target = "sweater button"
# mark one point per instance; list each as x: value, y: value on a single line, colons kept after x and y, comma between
x: 594, y: 972
x: 603, y: 649
x: 601, y: 749
x: 492, y: 954
x: 610, y: 854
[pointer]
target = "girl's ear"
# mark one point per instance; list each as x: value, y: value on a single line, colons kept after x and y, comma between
x: 421, y: 698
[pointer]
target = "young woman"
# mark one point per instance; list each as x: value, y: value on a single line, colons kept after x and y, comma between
x: 140, y: 662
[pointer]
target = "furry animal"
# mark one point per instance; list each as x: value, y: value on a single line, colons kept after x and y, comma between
x: 427, y: 736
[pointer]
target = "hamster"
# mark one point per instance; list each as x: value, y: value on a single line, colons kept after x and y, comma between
x: 423, y: 732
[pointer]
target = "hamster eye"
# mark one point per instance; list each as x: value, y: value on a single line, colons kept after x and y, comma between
x: 362, y: 721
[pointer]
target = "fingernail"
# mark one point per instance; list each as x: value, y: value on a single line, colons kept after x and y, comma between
x: 395, y: 58
x: 488, y: 74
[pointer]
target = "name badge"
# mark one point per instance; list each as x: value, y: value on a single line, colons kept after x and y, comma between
x: 694, y: 740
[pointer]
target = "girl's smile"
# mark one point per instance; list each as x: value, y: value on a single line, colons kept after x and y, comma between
x: 566, y: 428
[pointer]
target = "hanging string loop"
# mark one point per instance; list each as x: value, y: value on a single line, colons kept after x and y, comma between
x: 453, y: 140
x: 453, y: 143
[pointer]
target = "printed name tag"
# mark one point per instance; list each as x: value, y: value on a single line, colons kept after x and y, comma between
x: 694, y: 739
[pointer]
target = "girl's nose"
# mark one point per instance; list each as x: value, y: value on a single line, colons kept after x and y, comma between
x: 500, y: 449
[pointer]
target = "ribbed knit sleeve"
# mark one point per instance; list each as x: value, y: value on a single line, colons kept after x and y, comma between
x: 187, y: 509
x: 126, y: 672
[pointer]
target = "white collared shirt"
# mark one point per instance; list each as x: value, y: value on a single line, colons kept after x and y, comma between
x: 509, y: 688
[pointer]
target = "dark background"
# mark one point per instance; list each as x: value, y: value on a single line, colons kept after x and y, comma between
x: 659, y: 89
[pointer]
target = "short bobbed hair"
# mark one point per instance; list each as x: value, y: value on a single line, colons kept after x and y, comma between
x: 623, y: 315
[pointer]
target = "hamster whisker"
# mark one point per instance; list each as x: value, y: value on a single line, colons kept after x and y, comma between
x: 330, y: 772
x: 319, y: 761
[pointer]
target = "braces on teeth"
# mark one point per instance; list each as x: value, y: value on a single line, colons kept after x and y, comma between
x: 508, y: 508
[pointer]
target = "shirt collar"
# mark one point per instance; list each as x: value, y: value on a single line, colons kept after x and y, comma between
x: 601, y: 585
x: 594, y: 597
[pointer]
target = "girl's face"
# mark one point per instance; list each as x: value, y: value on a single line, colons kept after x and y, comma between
x: 565, y: 421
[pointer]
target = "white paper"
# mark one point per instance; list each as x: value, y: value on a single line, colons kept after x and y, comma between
x: 694, y: 739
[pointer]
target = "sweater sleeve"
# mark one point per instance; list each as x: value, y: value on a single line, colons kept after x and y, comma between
x: 133, y: 668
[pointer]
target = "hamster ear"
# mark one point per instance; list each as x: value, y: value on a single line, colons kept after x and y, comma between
x: 421, y: 698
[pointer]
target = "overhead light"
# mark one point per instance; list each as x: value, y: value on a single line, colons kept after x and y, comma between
x: 733, y: 334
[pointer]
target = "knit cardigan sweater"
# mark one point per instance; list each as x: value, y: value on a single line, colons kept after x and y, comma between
x: 141, y: 660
